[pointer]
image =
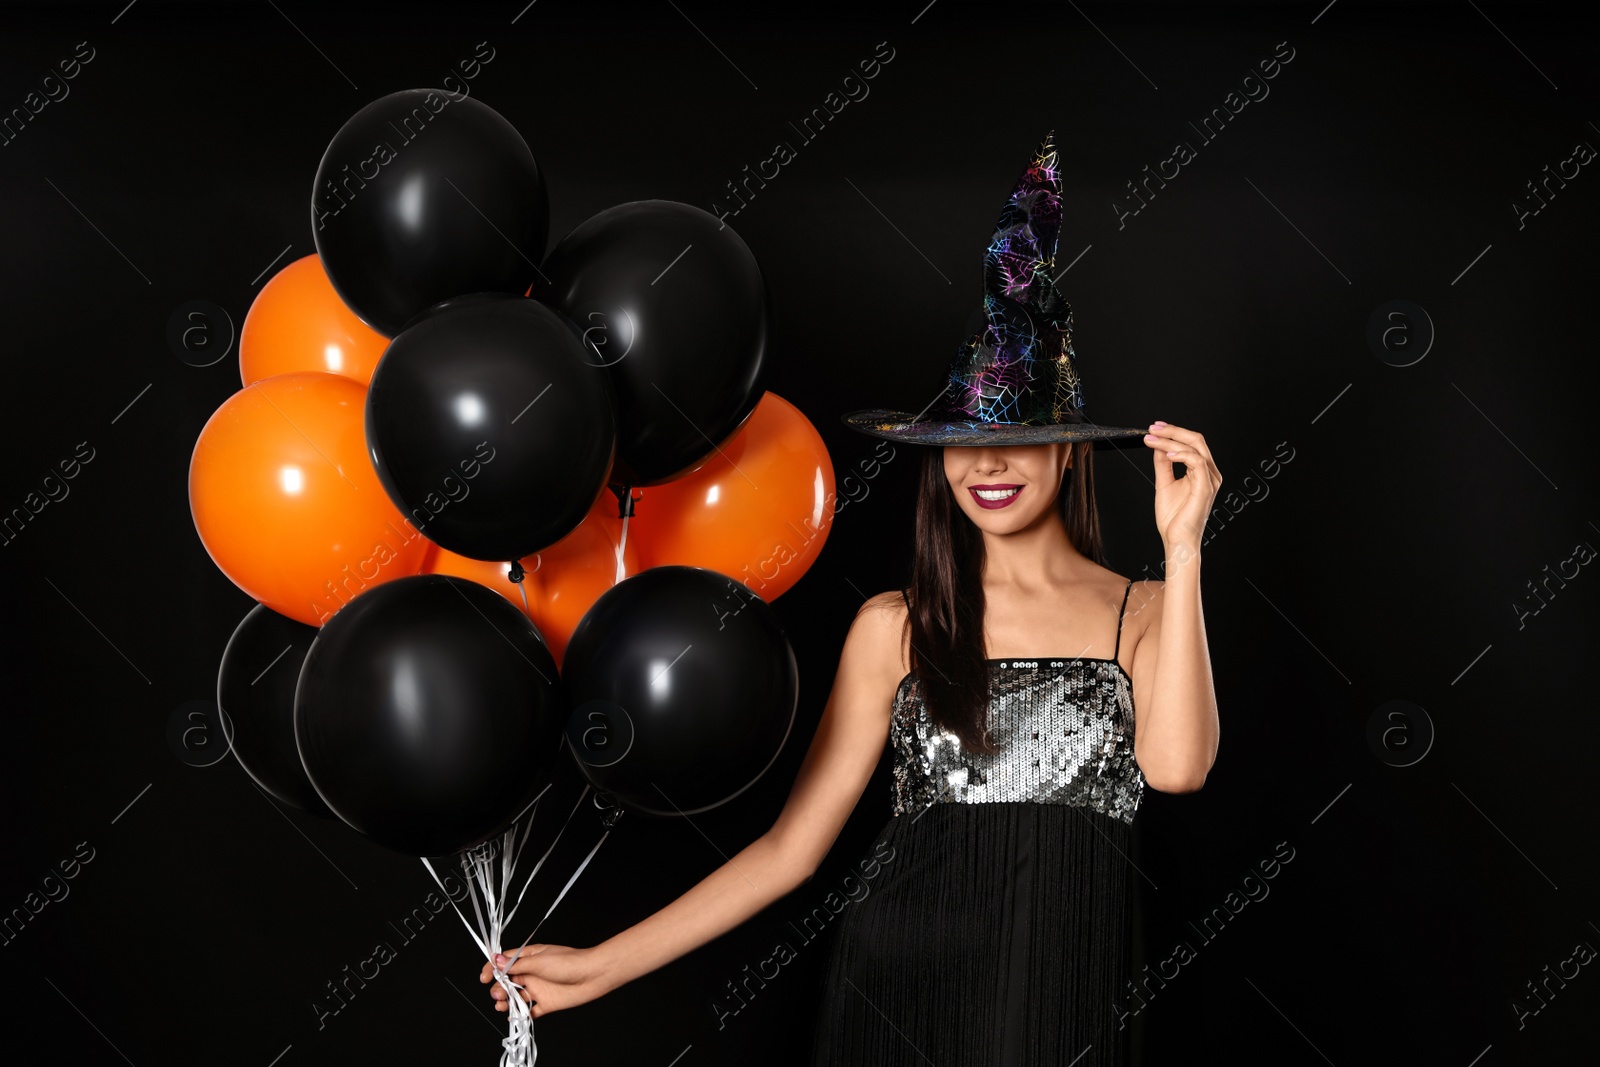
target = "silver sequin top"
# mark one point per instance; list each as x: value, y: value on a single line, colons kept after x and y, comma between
x: 1065, y: 731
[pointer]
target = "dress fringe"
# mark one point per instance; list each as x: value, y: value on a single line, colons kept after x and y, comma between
x: 998, y: 938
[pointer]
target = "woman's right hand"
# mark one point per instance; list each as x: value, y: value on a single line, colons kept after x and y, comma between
x: 552, y: 977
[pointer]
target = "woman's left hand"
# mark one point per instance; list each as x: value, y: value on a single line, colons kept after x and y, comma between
x: 1182, y: 504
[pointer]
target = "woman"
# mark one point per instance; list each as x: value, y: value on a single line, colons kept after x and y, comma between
x: 1006, y: 679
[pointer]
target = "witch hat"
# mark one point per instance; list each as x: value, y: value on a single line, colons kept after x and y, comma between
x: 1014, y: 381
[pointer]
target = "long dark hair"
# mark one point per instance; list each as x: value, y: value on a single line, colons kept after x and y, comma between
x: 946, y: 594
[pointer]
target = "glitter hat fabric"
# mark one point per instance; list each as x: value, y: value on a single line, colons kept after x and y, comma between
x: 1015, y: 381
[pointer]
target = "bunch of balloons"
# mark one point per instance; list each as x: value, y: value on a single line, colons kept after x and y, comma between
x: 428, y: 478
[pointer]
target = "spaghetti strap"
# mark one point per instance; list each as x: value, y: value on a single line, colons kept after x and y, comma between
x: 1120, y: 613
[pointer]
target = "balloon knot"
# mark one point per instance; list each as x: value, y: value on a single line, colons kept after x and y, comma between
x: 625, y: 500
x: 607, y: 803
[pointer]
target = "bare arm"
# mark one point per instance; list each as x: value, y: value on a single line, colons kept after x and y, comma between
x: 1176, y: 728
x: 848, y: 744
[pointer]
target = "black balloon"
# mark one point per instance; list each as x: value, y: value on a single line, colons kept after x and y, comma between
x: 673, y: 304
x: 683, y: 690
x: 488, y: 429
x: 429, y: 713
x: 255, y: 690
x: 424, y: 195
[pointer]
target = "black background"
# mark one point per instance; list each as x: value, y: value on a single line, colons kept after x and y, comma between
x: 1383, y: 562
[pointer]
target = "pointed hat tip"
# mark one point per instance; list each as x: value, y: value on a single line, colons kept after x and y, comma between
x: 1046, y: 157
x: 1047, y: 150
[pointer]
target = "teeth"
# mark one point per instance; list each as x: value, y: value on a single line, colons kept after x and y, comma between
x: 995, y: 494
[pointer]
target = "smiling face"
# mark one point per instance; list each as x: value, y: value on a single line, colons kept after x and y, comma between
x: 1005, y: 488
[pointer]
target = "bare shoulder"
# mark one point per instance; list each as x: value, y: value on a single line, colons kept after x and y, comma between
x: 1143, y: 613
x: 1139, y: 592
x: 875, y: 645
x: 850, y: 737
x: 890, y: 601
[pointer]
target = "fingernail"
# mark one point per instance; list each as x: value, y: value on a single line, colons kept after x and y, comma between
x: 1149, y: 437
x: 499, y: 959
x: 1160, y: 423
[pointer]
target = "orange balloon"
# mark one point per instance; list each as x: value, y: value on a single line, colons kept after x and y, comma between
x: 287, y: 502
x: 562, y: 581
x: 758, y: 511
x: 298, y: 323
x: 577, y: 569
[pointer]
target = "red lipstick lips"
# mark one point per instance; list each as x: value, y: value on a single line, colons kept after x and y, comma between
x: 996, y: 501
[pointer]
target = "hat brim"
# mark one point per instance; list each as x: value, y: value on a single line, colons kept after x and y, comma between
x: 903, y: 426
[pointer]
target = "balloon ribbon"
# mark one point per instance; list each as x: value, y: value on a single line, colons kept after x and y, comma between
x: 493, y: 915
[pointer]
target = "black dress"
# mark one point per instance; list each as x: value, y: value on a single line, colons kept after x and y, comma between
x: 996, y: 931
